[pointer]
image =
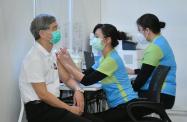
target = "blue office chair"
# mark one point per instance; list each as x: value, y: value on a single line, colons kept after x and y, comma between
x: 152, y: 100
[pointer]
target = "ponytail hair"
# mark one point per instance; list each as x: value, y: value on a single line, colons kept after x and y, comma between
x: 111, y: 31
x: 162, y: 24
x: 123, y: 36
x: 152, y: 22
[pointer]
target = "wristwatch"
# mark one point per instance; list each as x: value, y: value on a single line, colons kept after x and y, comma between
x: 79, y: 89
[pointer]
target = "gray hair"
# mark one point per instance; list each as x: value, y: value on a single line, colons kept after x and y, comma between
x: 41, y: 22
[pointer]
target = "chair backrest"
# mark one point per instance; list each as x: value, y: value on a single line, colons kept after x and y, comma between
x: 156, y: 83
x: 89, y: 59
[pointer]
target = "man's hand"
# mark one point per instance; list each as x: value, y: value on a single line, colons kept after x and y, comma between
x: 78, y: 100
x: 130, y: 71
x: 75, y: 109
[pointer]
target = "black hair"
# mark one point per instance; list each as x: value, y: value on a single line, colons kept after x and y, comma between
x: 123, y: 36
x: 97, y: 27
x: 111, y: 31
x: 41, y: 22
x: 150, y: 21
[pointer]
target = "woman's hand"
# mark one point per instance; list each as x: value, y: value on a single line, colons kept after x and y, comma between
x: 64, y: 57
x: 130, y: 71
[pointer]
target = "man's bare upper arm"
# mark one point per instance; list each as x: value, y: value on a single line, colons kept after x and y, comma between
x: 63, y: 73
x: 40, y: 89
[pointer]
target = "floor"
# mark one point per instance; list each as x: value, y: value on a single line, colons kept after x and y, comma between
x: 178, y: 114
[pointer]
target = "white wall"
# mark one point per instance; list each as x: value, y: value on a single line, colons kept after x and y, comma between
x: 85, y: 15
x: 15, y: 40
x: 124, y: 13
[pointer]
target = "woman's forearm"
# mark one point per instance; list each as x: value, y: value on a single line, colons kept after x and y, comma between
x: 77, y: 74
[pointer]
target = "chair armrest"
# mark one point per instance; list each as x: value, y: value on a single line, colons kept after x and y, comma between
x: 153, y: 106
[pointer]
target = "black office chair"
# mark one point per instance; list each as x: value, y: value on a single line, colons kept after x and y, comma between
x: 152, y: 100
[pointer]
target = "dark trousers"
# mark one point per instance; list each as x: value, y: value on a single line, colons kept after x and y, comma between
x: 119, y: 113
x: 167, y: 101
x: 42, y: 112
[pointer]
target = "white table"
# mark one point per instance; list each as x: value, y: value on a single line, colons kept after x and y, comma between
x: 92, y: 93
x: 94, y: 87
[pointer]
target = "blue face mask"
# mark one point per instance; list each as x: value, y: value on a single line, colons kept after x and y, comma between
x: 56, y: 36
x: 97, y: 44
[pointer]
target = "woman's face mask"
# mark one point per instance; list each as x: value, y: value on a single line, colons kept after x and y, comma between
x: 141, y: 38
x: 55, y: 37
x: 97, y: 44
x: 144, y: 33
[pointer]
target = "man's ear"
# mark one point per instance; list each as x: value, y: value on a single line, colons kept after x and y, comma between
x: 41, y: 33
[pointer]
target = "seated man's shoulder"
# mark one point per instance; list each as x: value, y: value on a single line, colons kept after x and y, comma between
x: 33, y: 56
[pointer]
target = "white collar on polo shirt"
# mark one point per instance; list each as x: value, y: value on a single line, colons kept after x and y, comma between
x: 42, y: 49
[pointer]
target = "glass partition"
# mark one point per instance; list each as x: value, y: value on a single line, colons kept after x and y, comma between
x: 76, y: 19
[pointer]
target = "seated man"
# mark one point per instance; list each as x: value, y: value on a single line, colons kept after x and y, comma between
x: 40, y: 76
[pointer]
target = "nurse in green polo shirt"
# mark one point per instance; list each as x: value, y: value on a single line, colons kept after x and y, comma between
x: 158, y: 52
x: 110, y: 70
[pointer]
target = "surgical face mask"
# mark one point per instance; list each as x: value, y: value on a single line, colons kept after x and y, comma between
x: 91, y: 38
x: 56, y: 36
x: 97, y: 44
x: 141, y: 38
